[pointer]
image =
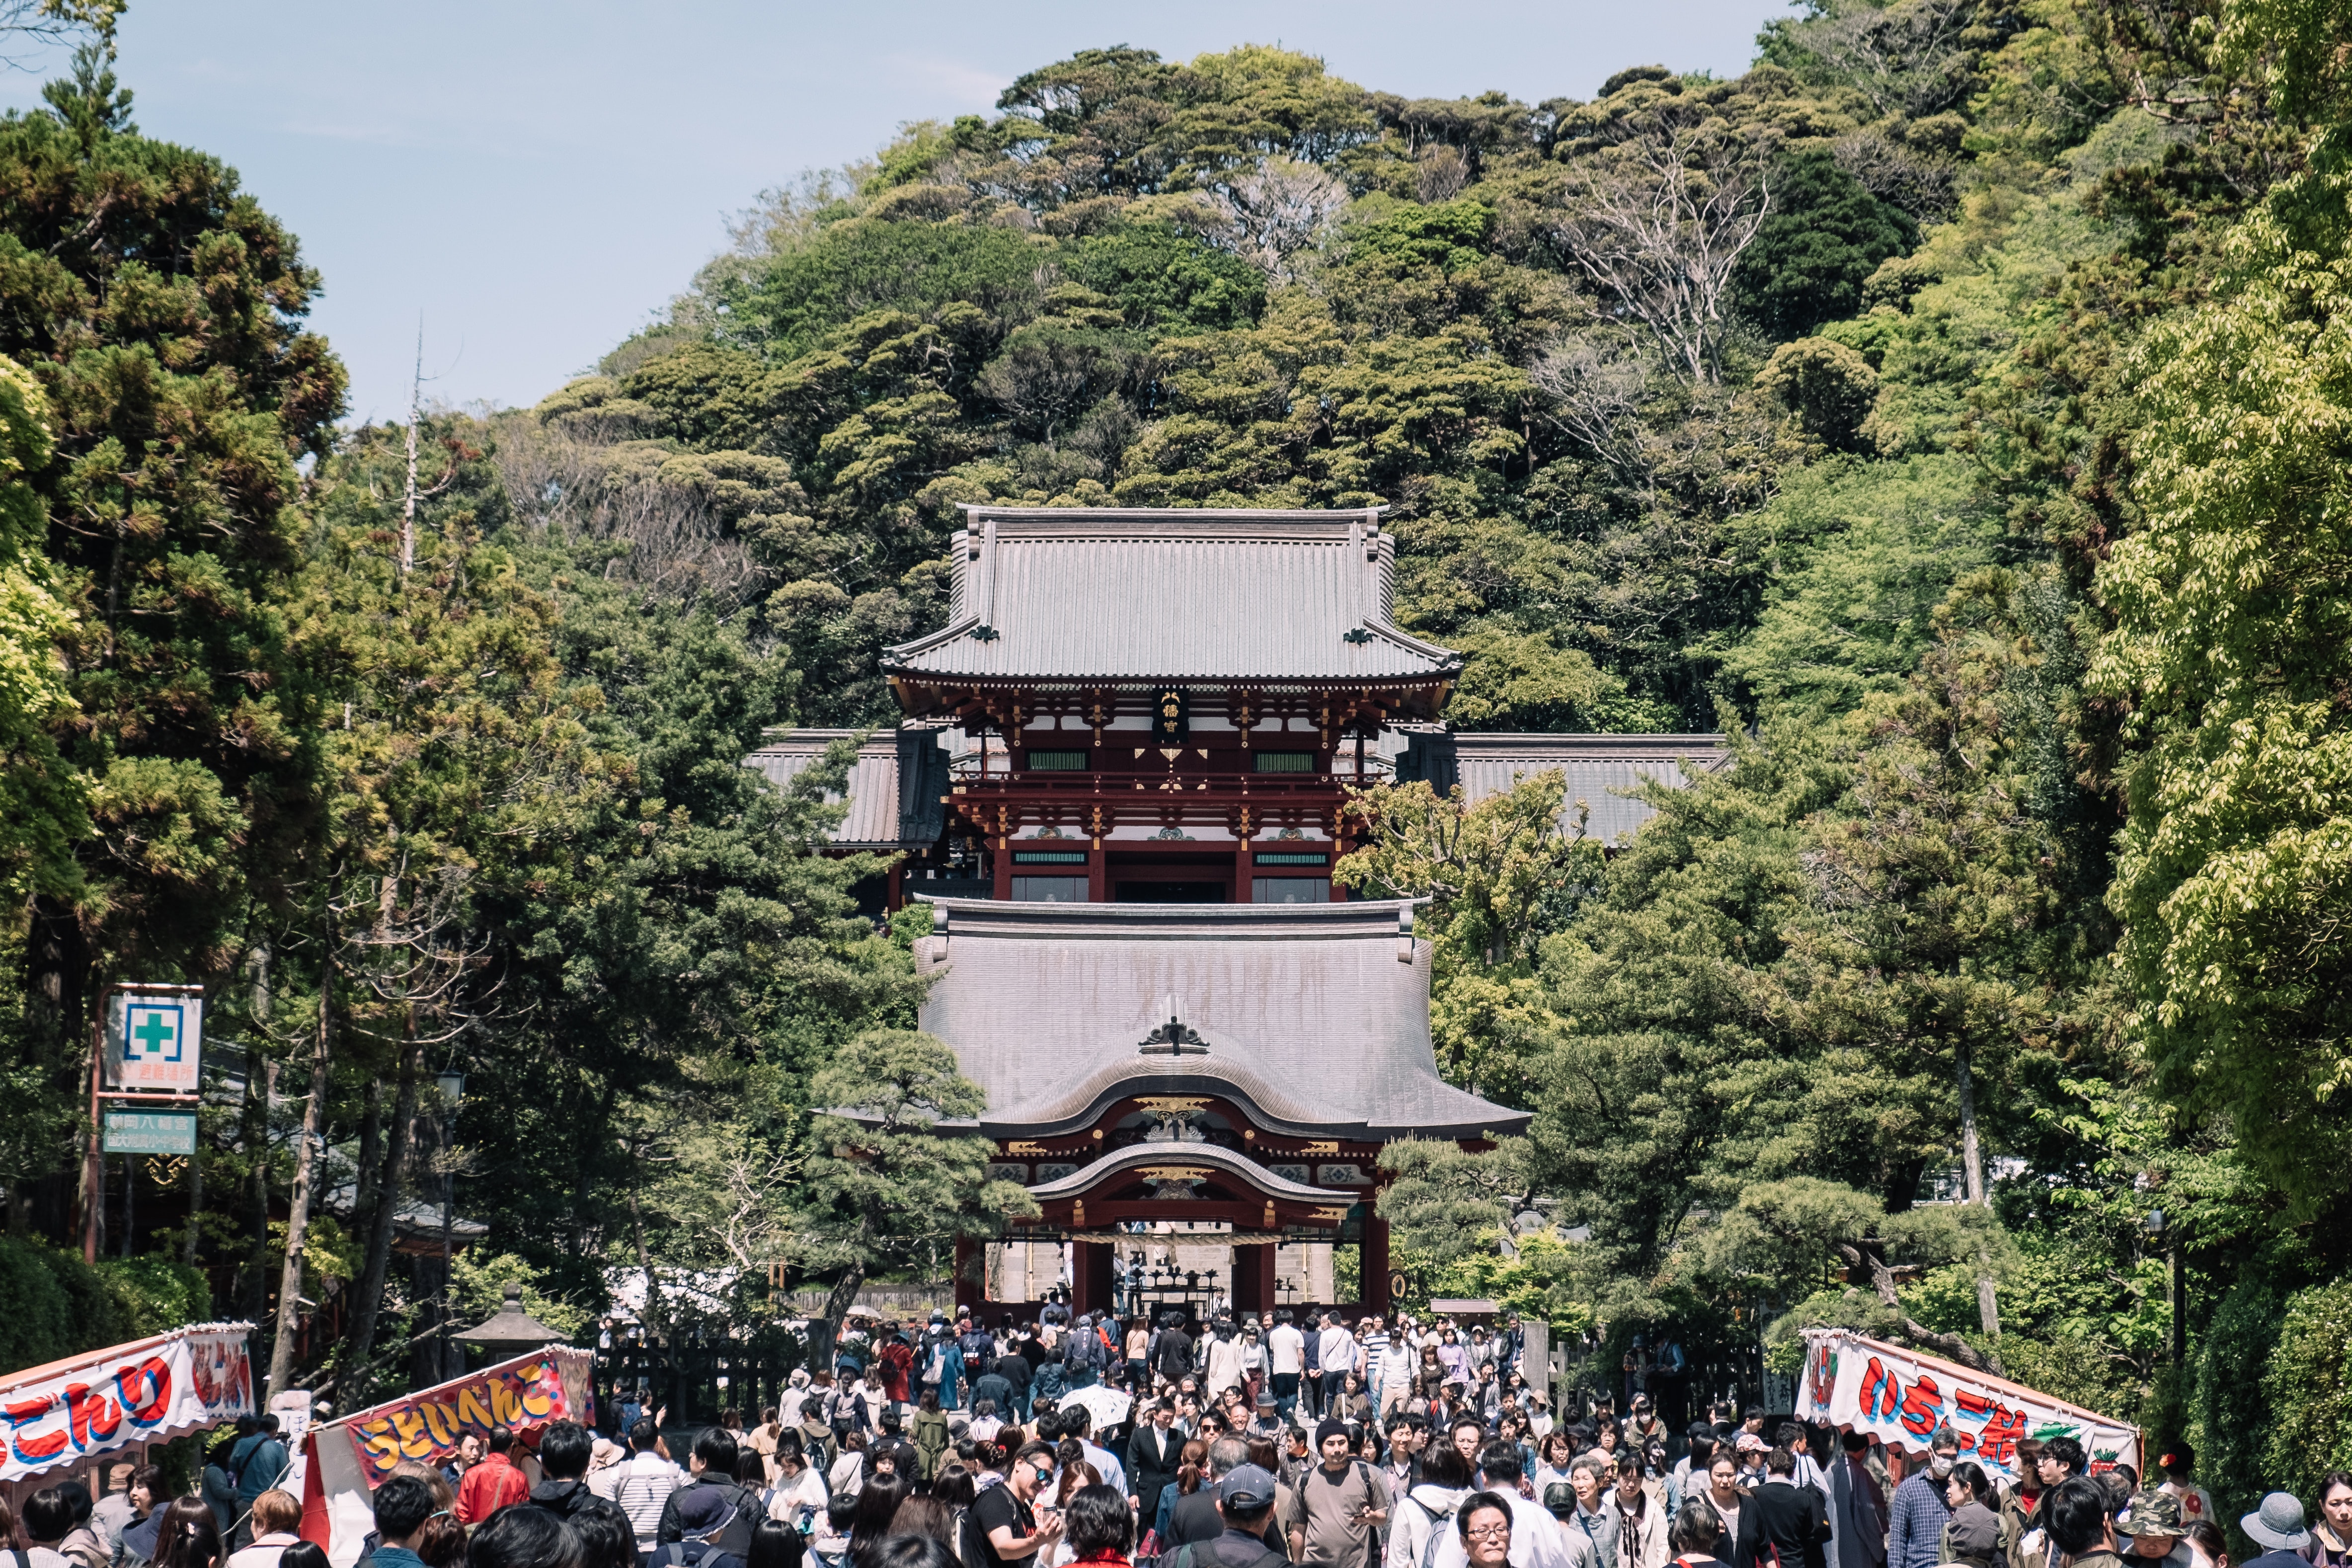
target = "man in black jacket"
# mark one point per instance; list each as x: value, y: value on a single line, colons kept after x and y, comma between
x: 713, y: 1465
x: 1861, y: 1505
x: 1153, y: 1456
x: 564, y: 1451
x: 1788, y: 1523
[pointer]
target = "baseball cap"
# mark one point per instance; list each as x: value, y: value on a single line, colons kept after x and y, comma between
x: 2150, y: 1512
x: 1246, y: 1487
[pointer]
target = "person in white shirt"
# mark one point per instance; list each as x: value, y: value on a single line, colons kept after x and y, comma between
x: 1336, y: 1354
x: 1427, y: 1506
x: 1286, y: 1358
x: 1224, y: 1367
x: 799, y: 1497
x: 1538, y: 1541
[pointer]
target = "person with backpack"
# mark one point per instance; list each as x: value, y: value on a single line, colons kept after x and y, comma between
x: 1337, y: 1506
x: 1419, y: 1524
x: 260, y: 1462
x: 564, y: 1451
x: 706, y: 1516
x: 712, y: 1472
x: 941, y: 1369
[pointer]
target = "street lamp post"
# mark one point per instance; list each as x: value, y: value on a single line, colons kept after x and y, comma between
x: 2165, y: 1230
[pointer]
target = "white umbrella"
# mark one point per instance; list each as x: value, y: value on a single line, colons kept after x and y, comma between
x: 1105, y: 1407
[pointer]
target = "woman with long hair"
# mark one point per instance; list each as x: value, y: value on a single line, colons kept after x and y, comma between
x: 187, y: 1538
x: 1971, y: 1533
x: 775, y: 1545
x: 925, y: 1516
x: 1191, y: 1469
x: 878, y: 1505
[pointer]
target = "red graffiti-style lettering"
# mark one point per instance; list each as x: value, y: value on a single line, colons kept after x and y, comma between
x: 1923, y: 1407
x: 24, y: 1412
x: 146, y: 1390
x: 1882, y: 1393
x: 1998, y: 1442
x: 95, y: 1418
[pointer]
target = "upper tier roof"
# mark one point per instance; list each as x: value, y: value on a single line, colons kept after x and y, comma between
x: 1316, y: 1016
x: 1597, y: 766
x: 1077, y: 594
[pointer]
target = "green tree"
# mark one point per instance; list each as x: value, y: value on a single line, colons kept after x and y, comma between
x: 886, y: 1189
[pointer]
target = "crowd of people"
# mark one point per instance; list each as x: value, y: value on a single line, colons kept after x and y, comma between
x: 1245, y: 1444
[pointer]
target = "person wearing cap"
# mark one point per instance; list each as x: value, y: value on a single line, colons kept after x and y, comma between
x: 1338, y: 1505
x: 1748, y: 1452
x: 2151, y: 1530
x: 1245, y: 1498
x: 706, y: 1516
x: 2276, y: 1526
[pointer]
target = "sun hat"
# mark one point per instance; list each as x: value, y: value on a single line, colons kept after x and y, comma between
x: 2277, y: 1523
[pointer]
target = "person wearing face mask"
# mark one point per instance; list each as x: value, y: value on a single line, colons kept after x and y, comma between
x: 1917, y: 1514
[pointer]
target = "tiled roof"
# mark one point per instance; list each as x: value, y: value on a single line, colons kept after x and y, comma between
x: 873, y: 820
x: 1076, y: 595
x: 1315, y: 1015
x: 1597, y: 767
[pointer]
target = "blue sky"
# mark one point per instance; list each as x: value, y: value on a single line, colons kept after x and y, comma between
x: 536, y: 180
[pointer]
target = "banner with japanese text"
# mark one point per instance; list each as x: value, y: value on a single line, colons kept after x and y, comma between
x: 524, y: 1396
x: 148, y: 1391
x: 1901, y: 1397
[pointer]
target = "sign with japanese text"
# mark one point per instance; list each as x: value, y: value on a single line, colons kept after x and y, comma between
x: 149, y: 1132
x: 524, y: 1396
x: 1901, y: 1397
x: 146, y: 1391
x: 1170, y: 715
x: 154, y: 1041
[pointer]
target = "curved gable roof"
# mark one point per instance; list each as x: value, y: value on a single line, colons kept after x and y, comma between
x: 1315, y: 1015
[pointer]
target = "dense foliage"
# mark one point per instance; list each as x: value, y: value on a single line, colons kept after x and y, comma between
x: 1952, y: 408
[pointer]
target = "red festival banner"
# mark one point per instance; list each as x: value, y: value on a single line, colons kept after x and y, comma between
x: 150, y: 1391
x: 523, y: 1395
x: 1901, y: 1397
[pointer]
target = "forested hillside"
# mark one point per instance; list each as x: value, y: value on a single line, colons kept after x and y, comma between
x: 1954, y: 409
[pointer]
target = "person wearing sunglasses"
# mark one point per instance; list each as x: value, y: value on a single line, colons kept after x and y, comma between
x: 1008, y: 1525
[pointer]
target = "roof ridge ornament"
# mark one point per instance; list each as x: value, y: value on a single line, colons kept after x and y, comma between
x: 1174, y: 1037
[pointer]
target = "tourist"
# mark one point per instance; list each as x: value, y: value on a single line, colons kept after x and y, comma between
x: 1538, y: 1539
x: 259, y: 1461
x: 1588, y: 1478
x: 48, y: 1518
x: 2331, y: 1533
x: 1245, y: 1503
x: 1916, y: 1515
x: 1858, y: 1506
x: 2077, y: 1524
x: 1153, y: 1454
x: 1788, y: 1522
x: 1197, y: 1519
x: 871, y: 1518
x: 1286, y: 1360
x: 1697, y: 1529
x: 1698, y: 1452
x: 1484, y: 1522
x: 2276, y: 1526
x: 2151, y: 1531
x: 523, y: 1538
x: 1730, y: 1504
x: 1639, y: 1523
x: 1224, y: 1362
x: 403, y: 1504
x: 1750, y: 1450
x: 494, y: 1483
x: 2205, y: 1541
x: 1425, y: 1511
x: 1972, y: 1535
x: 606, y: 1538
x: 1337, y: 1355
x: 1392, y: 1375
x: 1005, y: 1525
x: 564, y: 1451
x: 1191, y: 1474
x: 1337, y: 1506
x: 646, y: 1483
x: 277, y: 1516
x: 1098, y: 1527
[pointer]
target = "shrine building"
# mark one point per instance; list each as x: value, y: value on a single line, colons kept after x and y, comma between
x: 1118, y: 782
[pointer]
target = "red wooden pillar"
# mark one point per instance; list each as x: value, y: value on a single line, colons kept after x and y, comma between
x: 1373, y: 1263
x: 1098, y: 875
x: 1091, y: 1276
x: 1002, y: 865
x: 898, y: 899
x: 1244, y: 889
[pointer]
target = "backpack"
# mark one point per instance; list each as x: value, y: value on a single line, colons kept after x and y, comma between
x: 1436, y: 1530
x: 674, y: 1555
x: 1186, y: 1556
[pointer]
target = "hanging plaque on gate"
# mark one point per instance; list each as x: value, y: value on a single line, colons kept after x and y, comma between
x: 1171, y: 718
x: 154, y: 1039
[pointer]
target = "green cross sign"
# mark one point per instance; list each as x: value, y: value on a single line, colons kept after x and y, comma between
x: 153, y: 1032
